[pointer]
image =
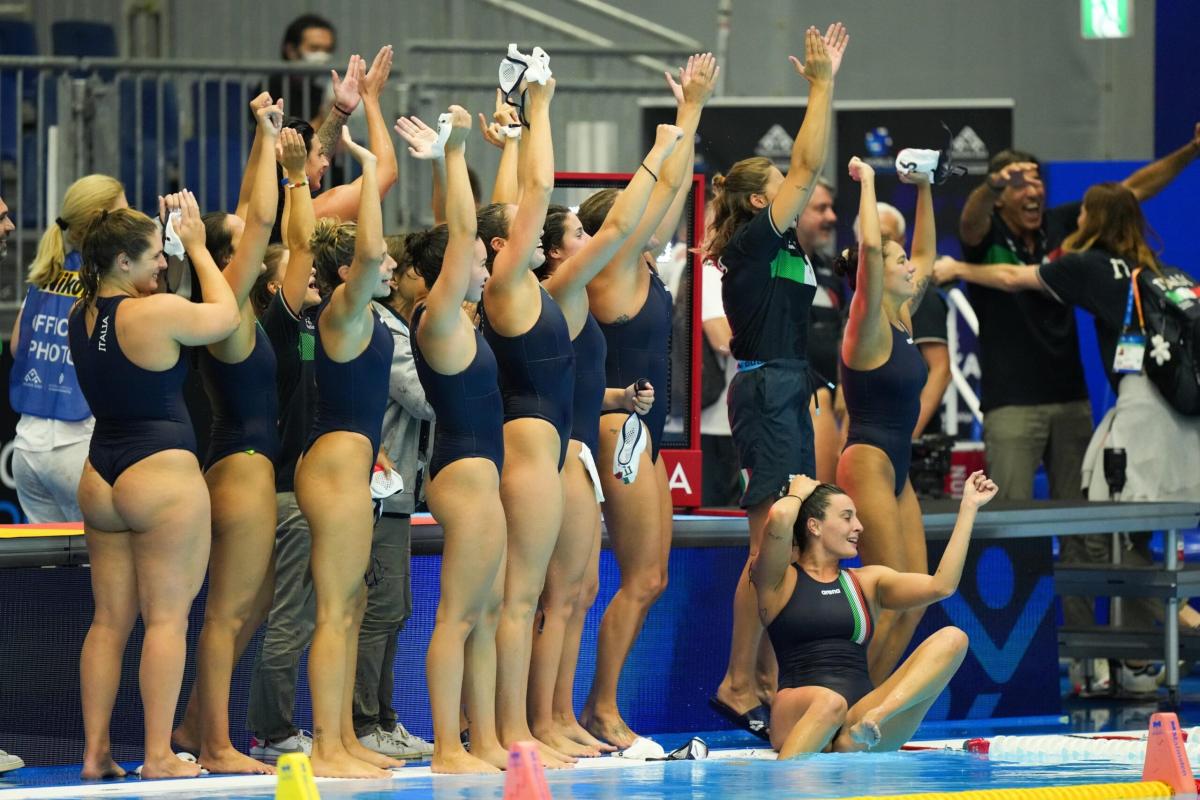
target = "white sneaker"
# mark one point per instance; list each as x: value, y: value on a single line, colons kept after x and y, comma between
x: 9, y: 762
x: 299, y: 742
x: 412, y: 746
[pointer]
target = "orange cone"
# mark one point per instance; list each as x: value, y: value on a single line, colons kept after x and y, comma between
x: 525, y: 779
x: 1166, y: 759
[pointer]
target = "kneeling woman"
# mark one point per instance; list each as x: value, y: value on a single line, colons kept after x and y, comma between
x: 819, y: 617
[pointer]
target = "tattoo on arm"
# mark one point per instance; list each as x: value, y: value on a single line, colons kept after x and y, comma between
x: 922, y: 286
x: 331, y: 130
x: 621, y: 320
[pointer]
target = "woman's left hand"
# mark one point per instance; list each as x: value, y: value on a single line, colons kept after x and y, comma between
x: 978, y: 489
x: 639, y: 401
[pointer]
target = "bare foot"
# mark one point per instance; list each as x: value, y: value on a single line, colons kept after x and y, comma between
x: 865, y: 732
x: 363, y: 753
x: 608, y: 727
x: 459, y: 762
x: 495, y: 755
x: 739, y: 702
x: 169, y: 766
x: 230, y: 761
x: 570, y: 728
x: 565, y: 745
x: 344, y: 765
x: 551, y: 758
x: 185, y: 738
x: 100, y: 767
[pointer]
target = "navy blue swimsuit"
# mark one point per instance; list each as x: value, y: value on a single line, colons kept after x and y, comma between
x: 469, y: 409
x: 821, y: 636
x: 537, y: 370
x: 590, y: 383
x: 352, y: 396
x: 884, y: 403
x: 640, y: 348
x: 139, y: 412
x: 245, y: 402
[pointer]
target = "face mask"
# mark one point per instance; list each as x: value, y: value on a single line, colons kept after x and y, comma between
x: 315, y: 57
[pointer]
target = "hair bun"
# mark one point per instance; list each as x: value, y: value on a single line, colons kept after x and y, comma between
x: 718, y: 181
x: 842, y: 263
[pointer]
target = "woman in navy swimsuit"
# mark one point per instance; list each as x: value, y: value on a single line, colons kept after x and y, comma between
x: 353, y: 362
x: 145, y: 505
x: 882, y: 377
x: 820, y: 618
x: 459, y: 374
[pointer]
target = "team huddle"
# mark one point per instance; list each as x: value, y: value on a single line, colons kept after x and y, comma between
x: 534, y: 337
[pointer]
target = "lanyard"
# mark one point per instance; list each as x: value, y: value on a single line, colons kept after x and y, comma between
x: 1135, y: 299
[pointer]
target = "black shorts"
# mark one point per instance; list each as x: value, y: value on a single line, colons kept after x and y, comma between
x: 772, y: 429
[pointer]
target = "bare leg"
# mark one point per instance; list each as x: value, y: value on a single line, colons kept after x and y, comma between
x: 333, y: 494
x: 887, y: 718
x: 739, y: 689
x: 827, y: 439
x: 481, y: 661
x: 559, y: 603
x: 242, y: 490
x: 114, y: 589
x: 533, y: 505
x: 805, y: 719
x: 635, y: 525
x: 564, y: 688
x: 464, y: 498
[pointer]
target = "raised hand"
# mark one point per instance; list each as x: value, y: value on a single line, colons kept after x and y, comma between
x: 946, y: 270
x: 1016, y: 174
x: 836, y: 38
x: 978, y: 489
x: 503, y: 117
x: 371, y: 82
x: 345, y: 90
x: 361, y: 154
x: 666, y: 136
x: 290, y: 152
x: 189, y: 226
x: 699, y: 79
x: 817, y: 66
x: 860, y: 170
x: 262, y: 101
x: 420, y: 137
x: 542, y: 92
x: 270, y: 118
x: 802, y: 486
x: 460, y: 127
x: 504, y: 114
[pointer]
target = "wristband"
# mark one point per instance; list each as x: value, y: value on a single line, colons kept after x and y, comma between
x: 342, y: 111
x: 652, y: 175
x: 798, y: 497
x: 296, y: 185
x: 511, y: 130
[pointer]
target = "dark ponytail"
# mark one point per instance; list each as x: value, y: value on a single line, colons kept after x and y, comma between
x: 846, y: 265
x: 553, y: 231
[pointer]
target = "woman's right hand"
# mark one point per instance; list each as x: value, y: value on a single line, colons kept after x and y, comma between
x: 460, y: 127
x: 420, y: 137
x: 361, y: 154
x: 189, y: 226
x: 667, y: 136
x: 860, y: 170
x: 802, y: 486
x: 270, y: 118
x: 292, y: 154
x: 639, y: 401
x: 978, y: 489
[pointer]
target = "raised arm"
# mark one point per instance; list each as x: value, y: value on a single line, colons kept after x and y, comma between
x: 1004, y: 277
x: 1154, y: 177
x: 343, y: 202
x: 924, y: 243
x: 443, y: 305
x: 363, y: 276
x: 867, y: 328
x: 696, y: 83
x: 769, y: 568
x: 511, y: 265
x: 976, y: 219
x: 572, y: 275
x: 345, y: 100
x: 822, y: 58
x: 506, y: 189
x: 243, y: 269
x: 243, y: 202
x: 301, y: 222
x: 186, y: 322
x: 904, y: 590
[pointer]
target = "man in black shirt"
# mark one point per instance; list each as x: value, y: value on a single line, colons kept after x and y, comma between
x: 1034, y: 395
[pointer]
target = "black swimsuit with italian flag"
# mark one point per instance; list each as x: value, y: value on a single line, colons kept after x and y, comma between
x: 821, y: 636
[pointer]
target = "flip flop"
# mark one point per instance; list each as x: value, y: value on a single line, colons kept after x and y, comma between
x: 757, y: 720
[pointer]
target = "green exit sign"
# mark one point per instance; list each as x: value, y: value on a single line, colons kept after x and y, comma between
x: 1106, y: 19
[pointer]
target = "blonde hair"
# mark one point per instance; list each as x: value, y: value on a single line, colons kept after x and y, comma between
x: 85, y: 198
x: 332, y: 247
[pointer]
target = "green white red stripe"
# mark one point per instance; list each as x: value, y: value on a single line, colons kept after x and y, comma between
x: 858, y: 606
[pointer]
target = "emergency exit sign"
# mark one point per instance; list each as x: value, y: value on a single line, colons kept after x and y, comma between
x: 1106, y: 19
